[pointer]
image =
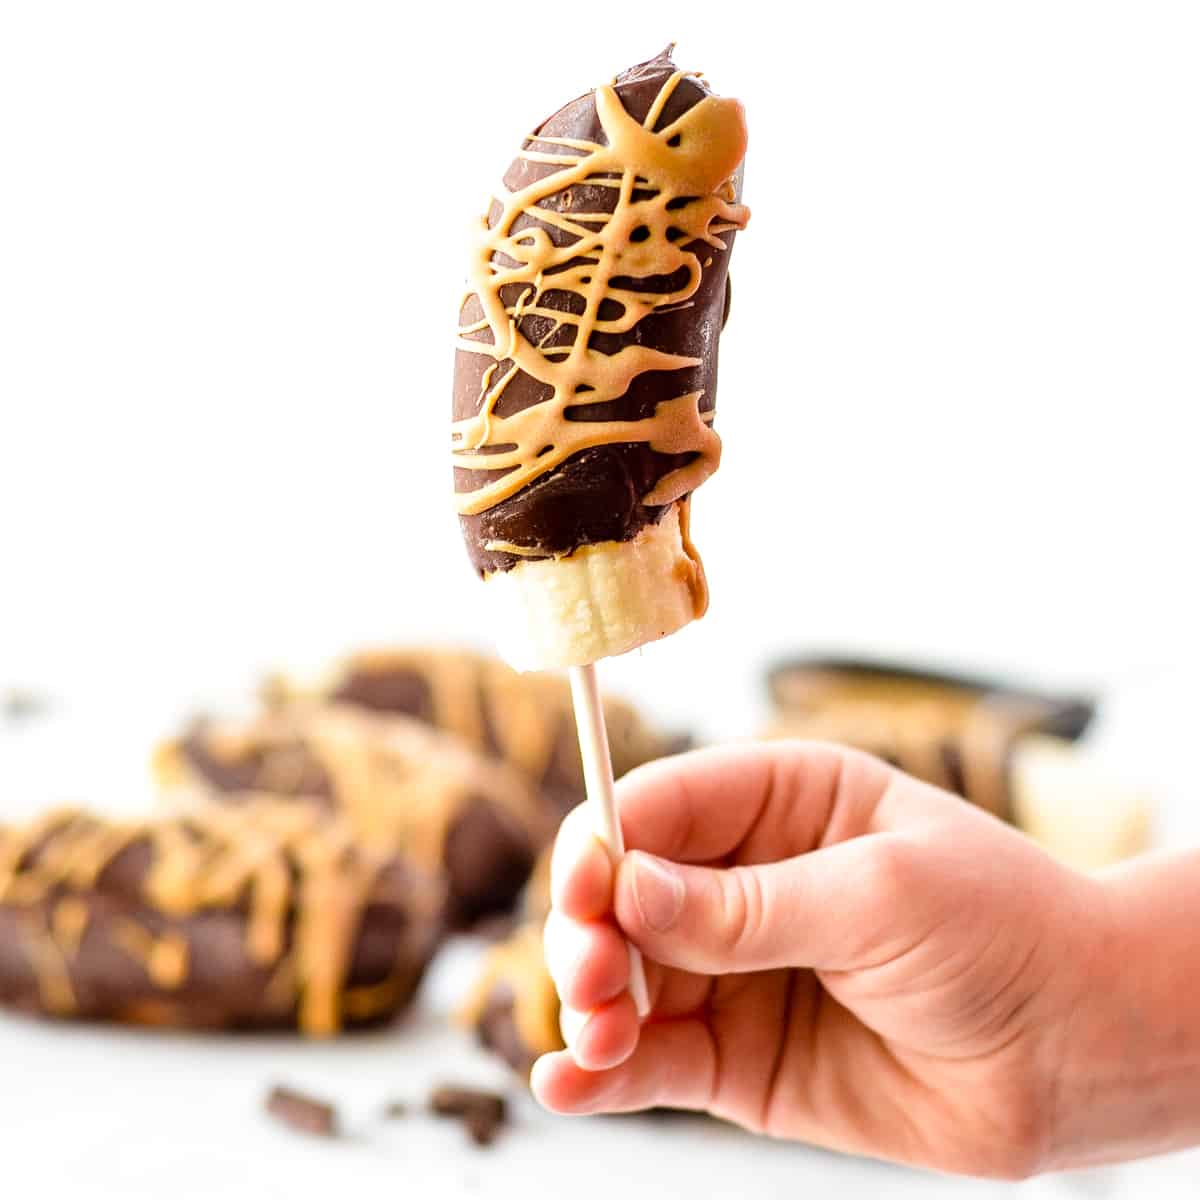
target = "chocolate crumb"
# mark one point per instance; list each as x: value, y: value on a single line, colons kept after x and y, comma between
x: 482, y: 1113
x: 453, y: 1100
x: 395, y: 1108
x: 305, y: 1114
x: 482, y: 1127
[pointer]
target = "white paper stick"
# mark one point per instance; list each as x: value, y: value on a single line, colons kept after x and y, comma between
x: 598, y: 778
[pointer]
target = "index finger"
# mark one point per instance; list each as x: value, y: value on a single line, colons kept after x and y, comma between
x: 757, y: 803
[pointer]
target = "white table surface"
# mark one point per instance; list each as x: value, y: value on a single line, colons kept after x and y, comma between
x: 135, y: 1114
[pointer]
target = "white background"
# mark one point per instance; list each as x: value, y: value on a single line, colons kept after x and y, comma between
x: 958, y: 387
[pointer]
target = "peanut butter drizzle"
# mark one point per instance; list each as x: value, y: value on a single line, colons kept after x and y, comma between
x: 912, y: 721
x: 164, y: 958
x: 479, y: 698
x: 499, y: 546
x: 69, y: 923
x: 212, y: 858
x: 693, y: 158
x: 525, y: 719
x: 402, y: 784
x: 696, y: 579
x: 399, y: 783
x: 518, y: 964
x: 50, y: 966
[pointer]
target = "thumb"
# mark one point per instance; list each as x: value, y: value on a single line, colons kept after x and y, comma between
x: 833, y: 909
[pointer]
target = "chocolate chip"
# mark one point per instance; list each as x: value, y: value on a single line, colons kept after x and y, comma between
x: 482, y: 1113
x: 453, y: 1100
x: 482, y: 1127
x: 305, y: 1114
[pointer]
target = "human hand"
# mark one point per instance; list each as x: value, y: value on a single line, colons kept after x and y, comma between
x: 836, y: 953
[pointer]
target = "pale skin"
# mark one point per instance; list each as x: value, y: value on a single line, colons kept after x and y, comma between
x: 842, y: 955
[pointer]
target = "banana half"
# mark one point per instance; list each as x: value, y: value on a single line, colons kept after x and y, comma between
x: 604, y: 599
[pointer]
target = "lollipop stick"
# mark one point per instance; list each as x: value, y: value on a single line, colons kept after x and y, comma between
x: 598, y: 778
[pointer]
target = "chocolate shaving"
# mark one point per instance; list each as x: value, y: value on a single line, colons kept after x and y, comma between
x: 482, y: 1113
x: 266, y: 914
x: 303, y: 1113
x: 481, y: 1127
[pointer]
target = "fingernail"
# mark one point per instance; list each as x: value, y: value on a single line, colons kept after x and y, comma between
x: 657, y: 891
x: 568, y: 859
x: 570, y: 1025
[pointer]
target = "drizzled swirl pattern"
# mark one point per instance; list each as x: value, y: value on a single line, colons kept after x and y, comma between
x: 524, y: 720
x: 247, y: 915
x: 403, y: 786
x: 558, y: 293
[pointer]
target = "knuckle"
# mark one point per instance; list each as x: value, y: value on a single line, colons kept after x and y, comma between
x: 571, y: 838
x: 744, y: 912
x: 1026, y: 1132
x: 558, y: 947
x: 580, y: 869
x: 560, y: 852
x: 891, y: 870
x: 1017, y: 1152
x: 550, y: 934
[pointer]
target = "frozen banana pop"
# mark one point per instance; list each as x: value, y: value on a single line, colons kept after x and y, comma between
x: 585, y: 382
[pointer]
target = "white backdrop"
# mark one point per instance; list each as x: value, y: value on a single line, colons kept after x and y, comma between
x: 958, y: 389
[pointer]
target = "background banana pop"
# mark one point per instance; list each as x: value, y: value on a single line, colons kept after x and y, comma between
x: 585, y: 378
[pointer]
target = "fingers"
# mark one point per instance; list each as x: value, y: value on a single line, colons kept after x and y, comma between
x: 588, y: 961
x: 835, y: 909
x: 766, y: 801
x: 830, y: 909
x: 674, y: 1064
x: 581, y: 869
x: 603, y: 1038
x: 586, y: 955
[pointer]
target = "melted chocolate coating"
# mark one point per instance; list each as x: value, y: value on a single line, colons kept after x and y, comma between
x: 258, y: 769
x: 405, y: 692
x: 396, y: 686
x: 224, y: 986
x: 1065, y: 716
x: 840, y: 699
x: 497, y: 1031
x: 488, y: 858
x: 487, y: 854
x: 596, y: 495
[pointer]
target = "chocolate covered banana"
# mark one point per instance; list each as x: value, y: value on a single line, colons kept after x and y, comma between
x: 956, y: 733
x: 1009, y: 750
x: 267, y: 915
x: 524, y: 720
x: 404, y: 787
x: 586, y: 371
x: 513, y: 1007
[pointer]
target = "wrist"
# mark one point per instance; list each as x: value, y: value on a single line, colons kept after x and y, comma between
x: 1129, y: 1081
